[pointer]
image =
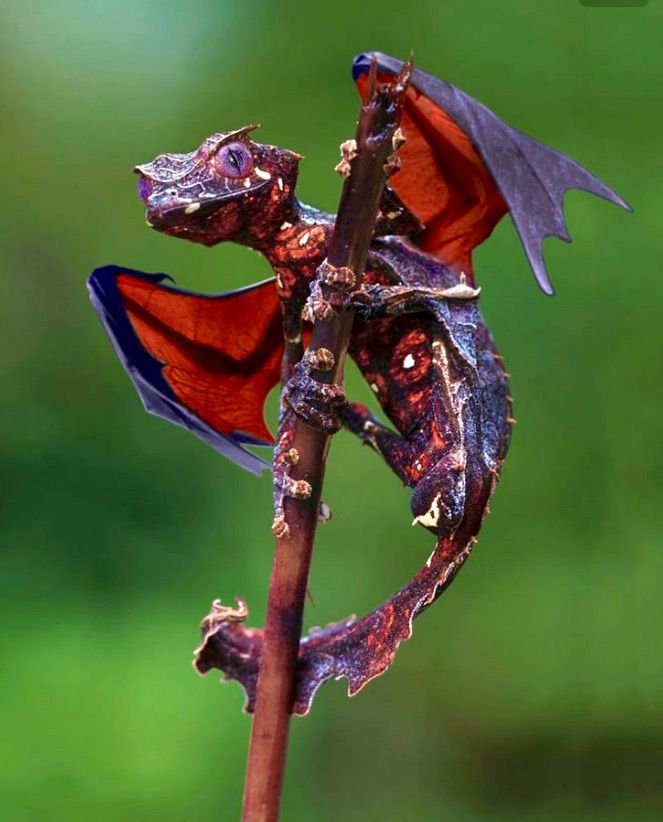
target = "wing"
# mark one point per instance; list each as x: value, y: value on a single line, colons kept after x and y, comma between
x: 205, y: 363
x: 476, y: 168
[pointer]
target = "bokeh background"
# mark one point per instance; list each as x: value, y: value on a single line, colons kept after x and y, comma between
x: 533, y: 690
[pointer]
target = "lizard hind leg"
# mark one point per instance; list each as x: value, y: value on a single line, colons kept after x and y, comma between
x: 400, y: 453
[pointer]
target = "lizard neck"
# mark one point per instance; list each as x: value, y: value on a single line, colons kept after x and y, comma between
x: 295, y: 247
x: 293, y: 223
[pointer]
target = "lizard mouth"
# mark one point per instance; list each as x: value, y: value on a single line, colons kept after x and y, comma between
x: 178, y: 213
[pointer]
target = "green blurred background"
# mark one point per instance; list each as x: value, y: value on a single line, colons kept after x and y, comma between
x: 533, y: 690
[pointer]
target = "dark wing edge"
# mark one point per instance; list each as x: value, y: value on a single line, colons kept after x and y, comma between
x: 531, y: 177
x: 145, y: 371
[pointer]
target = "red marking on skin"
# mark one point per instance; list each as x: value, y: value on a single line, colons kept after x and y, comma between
x: 412, y: 474
x: 221, y: 356
x: 437, y: 437
x: 416, y: 345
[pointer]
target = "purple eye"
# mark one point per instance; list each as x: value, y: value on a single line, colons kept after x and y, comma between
x: 233, y: 160
x: 144, y: 188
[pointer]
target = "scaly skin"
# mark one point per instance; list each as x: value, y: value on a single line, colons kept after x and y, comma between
x: 420, y: 343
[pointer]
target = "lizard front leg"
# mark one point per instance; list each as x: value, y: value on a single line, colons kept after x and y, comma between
x: 322, y: 405
x: 436, y: 474
x: 376, y: 300
x: 382, y: 300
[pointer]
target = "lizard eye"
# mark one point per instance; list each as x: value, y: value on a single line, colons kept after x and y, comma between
x: 144, y: 188
x: 233, y: 160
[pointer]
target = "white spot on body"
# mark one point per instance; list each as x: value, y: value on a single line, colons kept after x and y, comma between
x: 408, y: 362
x: 264, y: 175
x: 247, y: 183
x: 279, y: 281
x: 304, y: 238
x: 374, y: 387
x: 432, y: 516
x: 191, y: 208
x: 285, y: 225
x: 279, y: 182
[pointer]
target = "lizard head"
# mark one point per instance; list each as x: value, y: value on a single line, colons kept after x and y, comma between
x: 229, y: 188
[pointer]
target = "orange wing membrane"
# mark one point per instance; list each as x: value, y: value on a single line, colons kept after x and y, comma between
x: 443, y: 181
x: 204, y: 362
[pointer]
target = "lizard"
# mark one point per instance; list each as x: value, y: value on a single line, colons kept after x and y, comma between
x: 419, y: 340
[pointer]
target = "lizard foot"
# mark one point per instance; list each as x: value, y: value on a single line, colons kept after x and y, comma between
x: 318, y: 404
x: 334, y: 289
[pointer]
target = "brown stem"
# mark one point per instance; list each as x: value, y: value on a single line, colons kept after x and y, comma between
x: 358, y: 208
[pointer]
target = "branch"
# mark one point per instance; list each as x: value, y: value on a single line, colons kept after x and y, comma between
x: 368, y: 170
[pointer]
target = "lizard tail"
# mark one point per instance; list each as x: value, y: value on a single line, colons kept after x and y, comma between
x: 357, y: 649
